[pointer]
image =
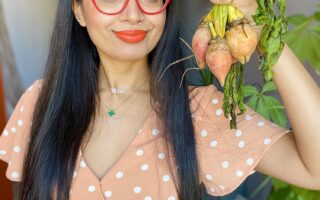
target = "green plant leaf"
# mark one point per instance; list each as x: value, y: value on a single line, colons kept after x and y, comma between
x: 249, y: 91
x: 317, y: 16
x: 252, y: 103
x: 277, y: 184
x: 306, y: 194
x: 275, y: 110
x: 314, y: 56
x: 302, y: 47
x: 297, y: 19
x: 282, y: 193
x: 269, y: 87
x: 261, y: 107
x: 303, y: 40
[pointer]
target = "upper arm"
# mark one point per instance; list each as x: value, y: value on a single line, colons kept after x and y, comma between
x: 282, y: 161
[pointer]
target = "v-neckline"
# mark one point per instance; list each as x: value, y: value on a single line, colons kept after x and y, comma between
x: 133, y: 141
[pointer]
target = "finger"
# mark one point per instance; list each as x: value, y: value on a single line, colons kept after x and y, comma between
x: 221, y: 1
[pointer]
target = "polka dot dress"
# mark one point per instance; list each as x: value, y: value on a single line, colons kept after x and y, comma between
x: 226, y: 157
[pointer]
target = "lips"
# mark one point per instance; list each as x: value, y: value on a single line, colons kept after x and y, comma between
x: 131, y: 36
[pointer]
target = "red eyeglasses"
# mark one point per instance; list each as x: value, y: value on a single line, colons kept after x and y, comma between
x: 113, y: 7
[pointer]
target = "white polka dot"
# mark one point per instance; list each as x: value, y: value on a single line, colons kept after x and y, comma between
x: 239, y: 173
x: 204, y: 133
x: 209, y: 177
x: 248, y: 117
x: 161, y: 155
x: 215, y: 101
x: 108, y: 193
x: 166, y: 178
x: 5, y: 133
x: 137, y: 189
x: 274, y: 124
x: 267, y: 141
x: 250, y: 161
x: 13, y: 130
x: 30, y: 88
x: 3, y: 152
x: 75, y: 174
x: 119, y: 175
x: 144, y: 167
x: 21, y: 109
x: 260, y: 123
x: 20, y: 122
x: 15, y: 175
x: 238, y: 133
x: 83, y: 164
x: 171, y: 198
x: 139, y: 152
x: 155, y: 132
x: 91, y: 188
x: 225, y: 164
x: 148, y: 198
x: 213, y: 143
x: 252, y: 172
x: 219, y: 112
x: 221, y: 187
x: 16, y: 149
x: 241, y: 144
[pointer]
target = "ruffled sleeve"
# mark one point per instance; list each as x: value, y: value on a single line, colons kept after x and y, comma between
x: 15, y: 136
x: 228, y: 156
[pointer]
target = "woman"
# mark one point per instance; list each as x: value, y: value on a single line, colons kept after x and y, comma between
x: 100, y: 125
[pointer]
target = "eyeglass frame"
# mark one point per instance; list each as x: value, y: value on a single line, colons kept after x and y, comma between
x: 125, y: 5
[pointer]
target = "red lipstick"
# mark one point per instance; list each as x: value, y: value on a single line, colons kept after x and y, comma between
x: 131, y: 36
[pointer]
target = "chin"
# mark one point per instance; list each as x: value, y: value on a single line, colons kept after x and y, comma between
x: 131, y: 55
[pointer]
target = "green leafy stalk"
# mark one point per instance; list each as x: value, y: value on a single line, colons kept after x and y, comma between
x: 234, y: 94
x: 273, y: 33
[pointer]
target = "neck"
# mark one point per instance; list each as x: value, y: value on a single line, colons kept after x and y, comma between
x: 126, y: 75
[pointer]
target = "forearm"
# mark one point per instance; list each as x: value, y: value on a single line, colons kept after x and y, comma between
x: 301, y: 98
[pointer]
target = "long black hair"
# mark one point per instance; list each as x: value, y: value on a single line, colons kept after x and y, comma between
x: 67, y: 104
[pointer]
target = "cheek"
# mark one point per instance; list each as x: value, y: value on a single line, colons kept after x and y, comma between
x: 158, y: 28
x: 97, y: 26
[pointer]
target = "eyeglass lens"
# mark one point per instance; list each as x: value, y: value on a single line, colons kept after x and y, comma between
x: 114, y: 6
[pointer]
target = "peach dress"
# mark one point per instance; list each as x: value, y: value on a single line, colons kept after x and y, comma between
x: 226, y: 157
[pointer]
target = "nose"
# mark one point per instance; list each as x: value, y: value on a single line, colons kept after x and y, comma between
x: 132, y: 13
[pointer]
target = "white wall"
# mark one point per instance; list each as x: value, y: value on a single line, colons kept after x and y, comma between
x: 29, y: 25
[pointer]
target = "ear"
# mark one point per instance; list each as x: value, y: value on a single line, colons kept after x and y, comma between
x: 78, y: 12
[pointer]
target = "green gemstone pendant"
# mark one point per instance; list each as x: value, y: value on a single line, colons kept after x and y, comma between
x: 111, y: 113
